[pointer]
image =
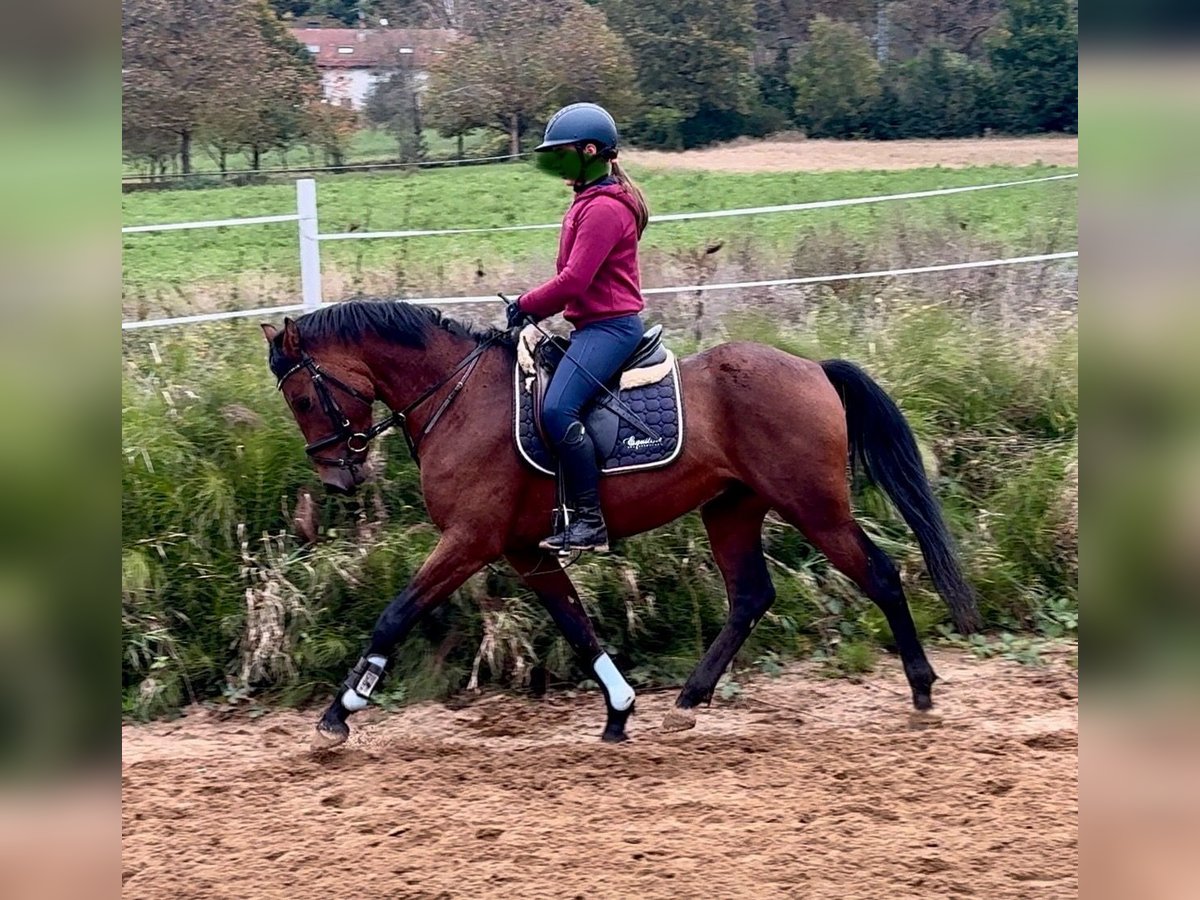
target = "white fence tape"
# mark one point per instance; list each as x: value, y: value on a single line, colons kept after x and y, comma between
x: 854, y: 276
x: 211, y: 223
x: 680, y: 289
x: 712, y: 214
x: 211, y: 317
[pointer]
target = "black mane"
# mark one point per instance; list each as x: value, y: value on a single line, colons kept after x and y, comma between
x: 394, y: 320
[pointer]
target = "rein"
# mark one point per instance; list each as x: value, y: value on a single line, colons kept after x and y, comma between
x: 357, y: 442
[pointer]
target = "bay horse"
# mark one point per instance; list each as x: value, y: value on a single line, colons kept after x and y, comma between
x: 766, y: 430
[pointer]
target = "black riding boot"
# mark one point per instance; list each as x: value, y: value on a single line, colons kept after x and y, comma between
x: 581, y: 479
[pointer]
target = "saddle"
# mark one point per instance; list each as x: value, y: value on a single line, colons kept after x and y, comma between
x: 548, y: 353
x: 647, y: 384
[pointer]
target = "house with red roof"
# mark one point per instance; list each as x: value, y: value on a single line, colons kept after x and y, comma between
x: 352, y: 60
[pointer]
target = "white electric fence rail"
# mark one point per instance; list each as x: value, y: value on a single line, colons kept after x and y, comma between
x: 310, y: 239
x: 210, y: 223
x: 712, y: 214
x: 677, y: 289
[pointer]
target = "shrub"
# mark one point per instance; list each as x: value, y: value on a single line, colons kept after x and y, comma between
x: 1036, y: 60
x: 942, y: 94
x: 836, y: 79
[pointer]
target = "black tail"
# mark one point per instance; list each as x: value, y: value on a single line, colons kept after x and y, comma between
x: 883, y: 447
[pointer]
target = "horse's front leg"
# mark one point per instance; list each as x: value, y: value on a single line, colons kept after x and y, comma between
x: 455, y: 559
x: 543, y: 574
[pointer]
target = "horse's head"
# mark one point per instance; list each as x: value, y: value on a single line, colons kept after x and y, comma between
x: 330, y: 394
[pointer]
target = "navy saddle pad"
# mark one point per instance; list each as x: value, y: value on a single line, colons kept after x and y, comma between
x: 621, y: 445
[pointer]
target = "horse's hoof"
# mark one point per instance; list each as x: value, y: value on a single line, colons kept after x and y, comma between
x: 614, y: 737
x: 330, y: 735
x: 922, y: 702
x: 678, y: 719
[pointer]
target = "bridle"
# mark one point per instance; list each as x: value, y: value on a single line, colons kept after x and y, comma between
x: 357, y: 442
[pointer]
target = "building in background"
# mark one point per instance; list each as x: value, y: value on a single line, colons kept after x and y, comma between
x: 352, y: 60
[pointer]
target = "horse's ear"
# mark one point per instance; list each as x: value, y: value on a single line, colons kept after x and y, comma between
x: 269, y: 331
x: 291, y: 338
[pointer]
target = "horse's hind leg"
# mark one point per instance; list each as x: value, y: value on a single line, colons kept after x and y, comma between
x: 734, y: 523
x: 832, y: 530
x: 546, y: 578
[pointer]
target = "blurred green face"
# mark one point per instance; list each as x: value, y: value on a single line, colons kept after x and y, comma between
x: 567, y: 163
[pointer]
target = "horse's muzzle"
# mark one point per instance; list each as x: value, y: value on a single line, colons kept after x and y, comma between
x: 342, y: 481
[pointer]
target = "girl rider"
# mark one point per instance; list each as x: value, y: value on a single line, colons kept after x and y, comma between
x: 597, y: 289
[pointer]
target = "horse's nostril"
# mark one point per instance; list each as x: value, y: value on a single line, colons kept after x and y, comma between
x: 339, y: 489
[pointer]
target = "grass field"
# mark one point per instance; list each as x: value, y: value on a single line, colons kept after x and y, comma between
x: 206, y: 268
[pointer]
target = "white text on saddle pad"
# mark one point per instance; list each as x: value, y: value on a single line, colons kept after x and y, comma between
x: 637, y: 443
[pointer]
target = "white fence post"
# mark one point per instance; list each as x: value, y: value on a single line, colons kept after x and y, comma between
x: 310, y: 245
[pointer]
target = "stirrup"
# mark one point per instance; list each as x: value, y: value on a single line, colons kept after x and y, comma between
x: 565, y: 543
x: 560, y: 524
x: 599, y: 547
x: 555, y: 543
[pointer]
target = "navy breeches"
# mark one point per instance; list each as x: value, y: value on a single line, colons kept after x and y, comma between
x: 599, y: 347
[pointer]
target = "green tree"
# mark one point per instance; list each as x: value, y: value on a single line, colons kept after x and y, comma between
x: 942, y: 94
x: 1036, y: 61
x: 837, y: 83
x: 223, y: 128
x: 693, y: 60
x: 520, y: 60
x: 345, y: 11
x: 154, y: 147
x: 291, y: 8
x: 394, y: 106
x: 775, y: 87
x: 793, y: 18
x: 889, y: 119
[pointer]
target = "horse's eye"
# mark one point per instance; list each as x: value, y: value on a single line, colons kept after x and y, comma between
x: 303, y: 404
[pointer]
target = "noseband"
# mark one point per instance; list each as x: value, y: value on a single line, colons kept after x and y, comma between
x: 357, y: 442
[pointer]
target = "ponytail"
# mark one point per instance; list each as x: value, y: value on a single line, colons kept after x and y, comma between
x: 642, y: 212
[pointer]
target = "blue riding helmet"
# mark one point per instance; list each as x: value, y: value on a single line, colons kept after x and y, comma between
x: 579, y: 123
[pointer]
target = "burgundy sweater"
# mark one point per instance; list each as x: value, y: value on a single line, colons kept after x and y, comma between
x: 597, y: 261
